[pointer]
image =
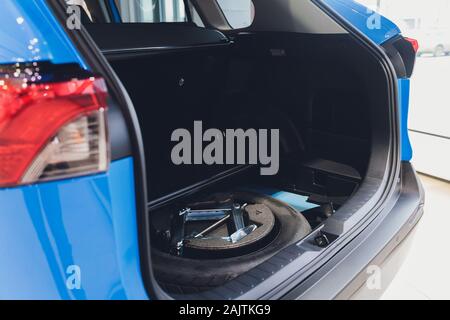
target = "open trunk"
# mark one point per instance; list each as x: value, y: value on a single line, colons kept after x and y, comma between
x: 325, y: 93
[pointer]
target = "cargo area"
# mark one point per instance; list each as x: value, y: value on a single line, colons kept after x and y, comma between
x: 213, y: 225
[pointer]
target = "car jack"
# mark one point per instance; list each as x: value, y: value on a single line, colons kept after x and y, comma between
x: 219, y: 216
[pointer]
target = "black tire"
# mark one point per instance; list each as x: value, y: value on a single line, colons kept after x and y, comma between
x: 182, y: 275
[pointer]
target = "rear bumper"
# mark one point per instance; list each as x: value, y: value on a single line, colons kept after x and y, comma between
x: 366, y: 266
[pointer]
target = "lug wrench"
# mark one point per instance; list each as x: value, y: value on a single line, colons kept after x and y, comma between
x: 212, y: 227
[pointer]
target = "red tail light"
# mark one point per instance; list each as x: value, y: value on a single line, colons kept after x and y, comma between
x: 50, y: 129
x: 414, y: 43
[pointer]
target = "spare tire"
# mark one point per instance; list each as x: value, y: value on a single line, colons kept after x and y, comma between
x: 185, y: 275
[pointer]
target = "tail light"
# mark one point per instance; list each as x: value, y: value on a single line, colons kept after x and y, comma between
x: 52, y: 124
x: 414, y: 43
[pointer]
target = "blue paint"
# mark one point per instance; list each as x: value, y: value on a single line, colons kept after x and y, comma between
x: 30, y: 33
x: 358, y: 16
x: 404, y: 92
x: 115, y: 11
x: 89, y: 222
x: 296, y: 201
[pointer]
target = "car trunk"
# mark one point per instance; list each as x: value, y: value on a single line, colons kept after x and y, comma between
x: 325, y: 93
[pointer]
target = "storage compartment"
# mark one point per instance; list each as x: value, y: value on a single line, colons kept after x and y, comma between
x: 207, y: 238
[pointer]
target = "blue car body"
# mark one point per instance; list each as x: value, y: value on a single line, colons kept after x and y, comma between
x: 45, y: 231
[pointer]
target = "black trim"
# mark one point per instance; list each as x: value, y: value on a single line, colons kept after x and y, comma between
x: 402, y: 55
x: 192, y: 189
x: 121, y: 54
x: 121, y: 146
x: 187, y: 10
x: 116, y: 37
x: 345, y: 273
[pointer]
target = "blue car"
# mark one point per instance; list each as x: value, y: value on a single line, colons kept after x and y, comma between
x: 117, y: 179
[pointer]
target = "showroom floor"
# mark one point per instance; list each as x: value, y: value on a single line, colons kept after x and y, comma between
x: 425, y: 273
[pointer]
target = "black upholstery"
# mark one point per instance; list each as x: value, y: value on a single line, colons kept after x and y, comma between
x: 126, y: 36
x: 269, y: 80
x: 171, y: 91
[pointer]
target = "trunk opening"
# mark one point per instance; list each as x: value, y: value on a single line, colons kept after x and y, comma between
x: 325, y: 93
